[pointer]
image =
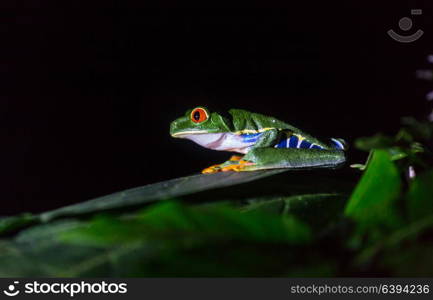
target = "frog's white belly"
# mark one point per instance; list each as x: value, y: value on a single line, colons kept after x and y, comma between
x: 222, y: 141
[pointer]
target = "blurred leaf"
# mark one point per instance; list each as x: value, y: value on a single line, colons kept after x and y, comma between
x: 138, y: 197
x: 314, y: 269
x: 225, y: 259
x: 39, y: 235
x: 415, y: 260
x: 397, y: 153
x: 8, y: 224
x: 404, y: 144
x: 174, y: 221
x: 404, y: 135
x: 53, y: 259
x: 419, y: 130
x: 378, y: 141
x: 282, y: 185
x: 177, y: 238
x: 395, y: 239
x: 372, y: 202
x: 317, y: 210
x: 15, y: 263
x: 194, y: 189
x: 361, y: 167
x: 420, y: 196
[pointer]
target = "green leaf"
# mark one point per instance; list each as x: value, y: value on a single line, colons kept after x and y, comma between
x: 419, y: 130
x: 177, y: 222
x: 415, y: 260
x: 318, y: 210
x: 227, y: 186
x: 373, y: 200
x: 395, y: 239
x: 158, y: 191
x: 378, y: 141
x: 178, y: 239
x: 360, y: 167
x: 42, y: 234
x: 8, y: 224
x: 420, y: 196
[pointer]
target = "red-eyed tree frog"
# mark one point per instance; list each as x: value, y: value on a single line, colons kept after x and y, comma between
x: 265, y: 142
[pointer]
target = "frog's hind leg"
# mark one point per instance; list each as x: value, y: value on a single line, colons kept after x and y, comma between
x: 235, y: 163
x: 275, y: 158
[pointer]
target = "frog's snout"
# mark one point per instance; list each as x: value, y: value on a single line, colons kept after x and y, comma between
x: 173, y: 126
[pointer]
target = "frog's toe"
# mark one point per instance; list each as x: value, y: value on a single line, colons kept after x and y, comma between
x: 235, y: 158
x: 212, y: 169
x: 238, y: 167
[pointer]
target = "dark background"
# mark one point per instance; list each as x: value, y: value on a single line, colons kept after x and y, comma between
x: 88, y: 91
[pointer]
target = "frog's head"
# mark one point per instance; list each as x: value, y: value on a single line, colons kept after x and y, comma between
x: 198, y: 121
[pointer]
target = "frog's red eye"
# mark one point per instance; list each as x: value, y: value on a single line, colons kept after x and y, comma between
x: 199, y: 115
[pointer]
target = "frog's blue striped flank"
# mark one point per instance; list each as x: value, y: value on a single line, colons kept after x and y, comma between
x: 293, y: 142
x: 305, y: 144
x: 282, y: 144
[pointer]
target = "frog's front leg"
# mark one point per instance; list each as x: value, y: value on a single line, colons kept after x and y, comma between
x: 276, y: 158
x: 237, y: 163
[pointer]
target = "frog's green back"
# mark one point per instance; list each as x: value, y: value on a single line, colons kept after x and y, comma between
x: 244, y: 121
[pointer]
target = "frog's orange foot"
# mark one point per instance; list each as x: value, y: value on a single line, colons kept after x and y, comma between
x: 231, y: 165
x: 212, y: 169
x: 240, y: 166
x: 235, y: 157
x: 219, y: 167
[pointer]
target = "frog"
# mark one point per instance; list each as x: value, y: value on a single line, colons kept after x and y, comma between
x: 259, y: 142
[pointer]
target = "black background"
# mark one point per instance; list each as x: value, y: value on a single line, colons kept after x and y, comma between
x: 88, y: 91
